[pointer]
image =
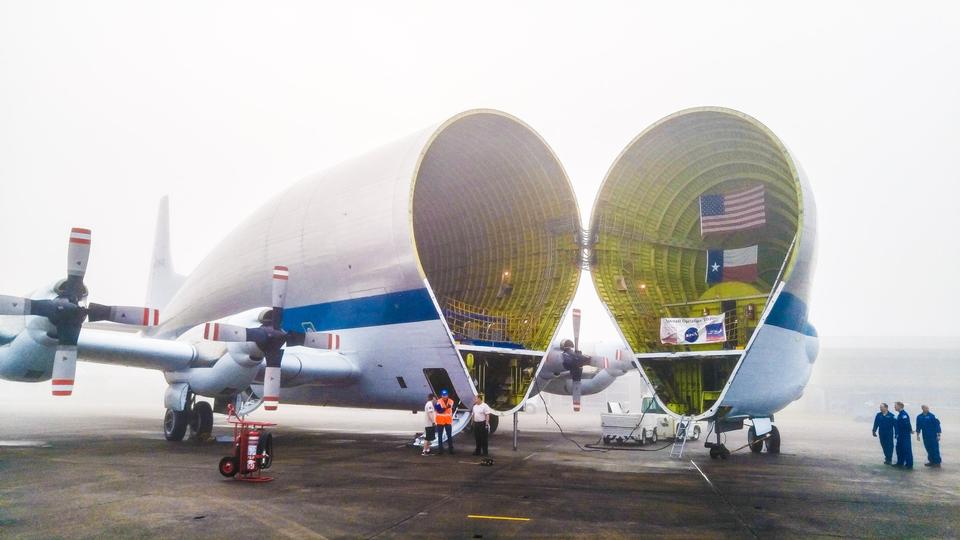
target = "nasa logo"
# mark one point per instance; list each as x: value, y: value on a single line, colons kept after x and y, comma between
x: 691, y: 335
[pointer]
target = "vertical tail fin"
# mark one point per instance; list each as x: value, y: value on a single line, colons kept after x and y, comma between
x: 163, y: 282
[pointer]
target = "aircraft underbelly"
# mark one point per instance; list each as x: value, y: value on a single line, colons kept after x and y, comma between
x: 773, y: 373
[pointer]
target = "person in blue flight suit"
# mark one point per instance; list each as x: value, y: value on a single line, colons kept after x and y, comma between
x: 884, y: 422
x: 928, y: 425
x: 904, y: 430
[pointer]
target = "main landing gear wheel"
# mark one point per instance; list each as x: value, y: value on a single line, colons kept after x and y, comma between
x: 773, y: 441
x: 643, y: 437
x: 696, y: 433
x: 654, y: 437
x: 494, y: 422
x: 229, y: 466
x: 201, y: 421
x: 175, y: 424
x: 755, y: 446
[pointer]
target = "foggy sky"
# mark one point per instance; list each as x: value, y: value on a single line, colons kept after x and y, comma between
x: 107, y: 106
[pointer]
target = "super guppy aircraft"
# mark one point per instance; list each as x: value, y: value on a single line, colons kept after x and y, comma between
x: 706, y: 214
x: 448, y: 259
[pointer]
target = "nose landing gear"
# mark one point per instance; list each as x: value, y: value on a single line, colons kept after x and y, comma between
x: 717, y: 449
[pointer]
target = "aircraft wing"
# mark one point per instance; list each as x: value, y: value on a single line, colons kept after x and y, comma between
x: 125, y: 349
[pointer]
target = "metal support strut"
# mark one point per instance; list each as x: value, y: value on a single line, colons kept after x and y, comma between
x: 515, y: 430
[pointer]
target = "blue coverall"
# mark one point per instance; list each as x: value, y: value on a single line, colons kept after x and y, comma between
x: 885, y: 423
x: 904, y: 444
x: 929, y: 426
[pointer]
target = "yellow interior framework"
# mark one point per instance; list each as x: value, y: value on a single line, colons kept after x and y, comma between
x: 649, y: 258
x: 495, y: 223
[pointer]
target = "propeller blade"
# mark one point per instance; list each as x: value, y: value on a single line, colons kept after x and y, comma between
x: 133, y: 315
x: 321, y: 340
x: 64, y: 370
x: 280, y: 276
x: 224, y: 332
x: 14, y: 305
x: 576, y: 329
x: 271, y: 379
x: 78, y: 253
x: 575, y: 391
x: 271, y: 388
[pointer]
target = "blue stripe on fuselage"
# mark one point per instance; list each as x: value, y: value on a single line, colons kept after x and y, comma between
x: 790, y: 313
x: 393, y: 308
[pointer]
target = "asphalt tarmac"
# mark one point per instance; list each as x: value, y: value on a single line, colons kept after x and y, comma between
x: 351, y: 475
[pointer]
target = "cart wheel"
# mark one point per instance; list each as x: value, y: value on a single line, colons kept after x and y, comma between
x: 229, y: 466
x: 265, y: 447
x: 201, y: 420
x: 175, y: 424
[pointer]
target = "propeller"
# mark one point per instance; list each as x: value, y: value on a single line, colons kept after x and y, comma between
x: 271, y: 338
x: 67, y: 315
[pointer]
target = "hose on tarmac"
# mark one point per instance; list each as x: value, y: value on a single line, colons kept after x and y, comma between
x: 597, y: 446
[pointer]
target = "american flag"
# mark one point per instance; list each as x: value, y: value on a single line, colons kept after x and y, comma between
x: 733, y: 211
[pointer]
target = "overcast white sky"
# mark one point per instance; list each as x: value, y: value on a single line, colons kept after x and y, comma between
x: 107, y: 106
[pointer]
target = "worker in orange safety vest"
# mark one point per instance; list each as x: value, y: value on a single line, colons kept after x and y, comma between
x: 444, y: 409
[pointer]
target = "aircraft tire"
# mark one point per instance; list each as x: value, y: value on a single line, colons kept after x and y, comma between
x: 201, y: 420
x: 654, y: 437
x: 755, y: 447
x: 696, y: 433
x: 643, y: 436
x: 175, y: 424
x: 773, y: 441
x: 494, y: 422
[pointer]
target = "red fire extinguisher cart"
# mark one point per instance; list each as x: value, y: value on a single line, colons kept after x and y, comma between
x: 252, y: 450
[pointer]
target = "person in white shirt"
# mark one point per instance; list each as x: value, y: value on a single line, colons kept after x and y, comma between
x: 481, y: 425
x: 430, y: 423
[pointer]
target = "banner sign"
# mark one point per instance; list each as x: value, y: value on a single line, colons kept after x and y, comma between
x: 693, y: 331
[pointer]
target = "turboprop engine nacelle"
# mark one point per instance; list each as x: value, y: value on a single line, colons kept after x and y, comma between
x: 223, y: 368
x: 26, y: 345
x: 568, y: 371
x: 60, y: 313
x: 605, y: 364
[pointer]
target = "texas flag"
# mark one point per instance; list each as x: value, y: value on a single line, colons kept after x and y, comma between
x: 732, y: 265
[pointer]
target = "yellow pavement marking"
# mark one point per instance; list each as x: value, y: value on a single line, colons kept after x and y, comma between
x: 505, y: 518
